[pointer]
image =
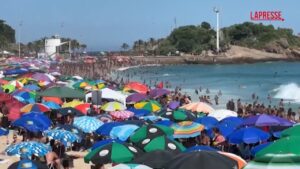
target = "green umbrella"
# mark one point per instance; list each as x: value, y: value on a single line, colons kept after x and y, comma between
x: 10, y: 88
x: 179, y: 115
x: 150, y: 131
x: 292, y: 131
x: 151, y: 105
x: 113, y: 153
x: 285, y: 150
x: 161, y: 143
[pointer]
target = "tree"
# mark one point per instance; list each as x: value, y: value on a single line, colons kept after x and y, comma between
x: 7, y: 35
x: 205, y: 25
x: 125, y: 46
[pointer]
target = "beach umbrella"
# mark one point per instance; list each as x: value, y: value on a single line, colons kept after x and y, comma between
x: 69, y: 111
x: 259, y: 147
x: 156, y: 159
x: 199, y: 107
x: 207, y: 121
x: 136, y: 97
x: 41, y: 77
x: 152, y: 118
x: 87, y: 124
x: 130, y: 166
x: 150, y: 131
x: 121, y: 114
x: 105, y: 142
x: 173, y: 105
x: 4, y: 97
x: 222, y: 114
x: 8, y: 88
x: 248, y: 135
x: 241, y: 162
x: 32, y: 87
x: 122, y: 132
x: 33, y: 122
x: 73, y: 103
x: 231, y: 121
x: 292, y: 131
x: 16, y: 71
x: 83, y: 107
x: 187, y: 129
x: 200, y: 148
x: 63, y: 136
x: 179, y: 115
x: 161, y: 143
x: 27, y: 164
x: 16, y: 83
x: 70, y: 128
x: 284, y: 150
x: 167, y: 123
x: 152, y: 106
x: 107, y: 127
x: 139, y: 112
x: 52, y: 105
x: 27, y: 149
x: 154, y: 93
x: 36, y: 107
x: 27, y: 96
x: 113, y: 153
x: 113, y: 106
x: 203, y: 159
x: 260, y: 165
x: 56, y: 100
x: 265, y: 120
x: 3, y: 82
x: 137, y: 87
x: 3, y: 131
x: 224, y: 128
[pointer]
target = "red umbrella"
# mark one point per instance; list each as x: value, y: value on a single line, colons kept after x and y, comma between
x: 83, y: 107
x: 5, y: 97
x: 137, y: 87
x: 3, y: 82
x: 56, y: 100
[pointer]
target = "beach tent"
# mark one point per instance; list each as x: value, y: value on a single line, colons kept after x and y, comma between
x: 62, y: 92
x: 107, y: 93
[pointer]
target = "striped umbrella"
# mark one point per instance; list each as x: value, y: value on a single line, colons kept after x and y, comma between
x: 199, y: 107
x: 73, y: 103
x: 152, y: 106
x: 161, y: 143
x: 137, y: 87
x: 52, y: 105
x: 16, y: 83
x: 63, y: 136
x: 8, y: 88
x: 56, y: 100
x: 87, y: 124
x: 113, y: 106
x: 27, y: 149
x: 187, y: 129
x: 83, y: 107
x: 121, y: 114
x: 36, y: 107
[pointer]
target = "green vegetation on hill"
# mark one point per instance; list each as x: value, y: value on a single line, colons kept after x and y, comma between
x: 7, y: 35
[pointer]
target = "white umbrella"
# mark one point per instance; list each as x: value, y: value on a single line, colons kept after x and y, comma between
x: 222, y: 114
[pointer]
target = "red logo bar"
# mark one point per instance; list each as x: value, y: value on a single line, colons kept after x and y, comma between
x: 266, y: 16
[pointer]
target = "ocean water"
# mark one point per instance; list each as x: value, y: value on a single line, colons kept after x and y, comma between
x: 277, y: 79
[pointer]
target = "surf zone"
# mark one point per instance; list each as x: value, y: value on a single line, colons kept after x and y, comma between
x: 266, y: 16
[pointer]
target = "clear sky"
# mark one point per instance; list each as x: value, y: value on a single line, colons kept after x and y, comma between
x: 106, y: 24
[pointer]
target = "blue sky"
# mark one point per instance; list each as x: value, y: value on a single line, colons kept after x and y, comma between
x: 106, y: 24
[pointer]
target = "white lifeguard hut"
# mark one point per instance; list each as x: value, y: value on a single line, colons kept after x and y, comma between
x: 51, y: 45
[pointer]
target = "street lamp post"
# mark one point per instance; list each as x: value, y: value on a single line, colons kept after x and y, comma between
x: 20, y: 25
x: 217, y: 11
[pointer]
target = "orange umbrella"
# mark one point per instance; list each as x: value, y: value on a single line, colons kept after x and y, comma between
x: 56, y: 100
x: 137, y: 87
x: 83, y: 107
x: 241, y: 162
x: 199, y: 107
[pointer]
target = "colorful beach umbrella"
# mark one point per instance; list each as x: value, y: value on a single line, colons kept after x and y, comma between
x: 152, y: 106
x: 123, y: 132
x: 3, y: 131
x: 33, y: 122
x: 28, y: 164
x: 69, y: 111
x: 87, y: 124
x: 173, y: 105
x: 27, y: 149
x: 113, y: 153
x: 73, y: 103
x: 139, y: 112
x: 107, y: 127
x: 17, y: 84
x: 161, y: 143
x: 121, y: 114
x: 199, y: 107
x: 241, y: 162
x: 221, y: 114
x: 292, y: 131
x: 150, y: 131
x: 259, y: 147
x: 137, y: 87
x: 200, y: 148
x: 36, y: 107
x: 136, y: 97
x: 113, y: 106
x: 179, y: 115
x: 63, y: 136
x: 259, y: 165
x: 105, y: 142
x: 248, y: 135
x: 266, y: 120
x: 154, y: 93
x: 83, y: 107
x: 52, y: 105
x: 187, y: 129
x: 130, y: 166
x: 56, y: 100
x: 8, y: 88
x: 207, y: 121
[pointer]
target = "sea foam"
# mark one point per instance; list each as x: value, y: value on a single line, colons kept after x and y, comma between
x: 290, y: 91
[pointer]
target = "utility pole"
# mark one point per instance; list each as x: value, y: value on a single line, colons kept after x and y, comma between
x: 217, y: 11
x: 175, y: 23
x: 20, y: 25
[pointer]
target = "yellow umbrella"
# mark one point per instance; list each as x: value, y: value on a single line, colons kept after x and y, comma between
x: 73, y: 103
x: 152, y: 106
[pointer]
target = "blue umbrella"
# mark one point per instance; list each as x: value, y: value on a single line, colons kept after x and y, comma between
x: 3, y: 131
x: 225, y: 130
x: 32, y: 87
x: 139, y: 112
x: 87, y: 124
x: 208, y: 122
x: 167, y: 123
x: 248, y: 135
x: 15, y: 71
x: 266, y: 120
x: 123, y: 132
x: 70, y: 128
x: 33, y: 122
x: 153, y: 118
x: 52, y: 105
x: 104, y: 142
x: 259, y: 147
x: 63, y: 136
x: 232, y: 121
x: 107, y: 127
x: 200, y: 148
x: 27, y: 149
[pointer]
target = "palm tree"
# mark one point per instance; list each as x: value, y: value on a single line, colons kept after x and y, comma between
x: 125, y: 46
